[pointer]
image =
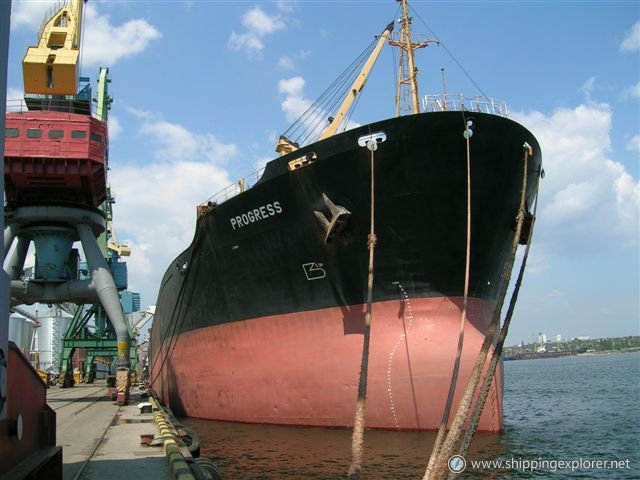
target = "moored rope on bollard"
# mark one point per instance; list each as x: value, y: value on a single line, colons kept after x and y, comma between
x: 182, y: 464
x: 453, y: 438
x: 497, y: 352
x: 463, y: 317
x: 357, y: 438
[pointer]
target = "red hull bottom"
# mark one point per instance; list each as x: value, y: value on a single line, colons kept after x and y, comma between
x: 303, y: 368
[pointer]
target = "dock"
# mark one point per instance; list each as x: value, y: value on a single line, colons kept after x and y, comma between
x: 102, y: 440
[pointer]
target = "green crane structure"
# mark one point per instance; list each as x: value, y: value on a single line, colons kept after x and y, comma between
x: 89, y: 328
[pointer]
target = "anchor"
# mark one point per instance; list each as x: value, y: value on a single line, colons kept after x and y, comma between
x: 334, y: 225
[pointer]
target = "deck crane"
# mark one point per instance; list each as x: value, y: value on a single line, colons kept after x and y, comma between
x: 406, y: 90
x: 55, y: 165
x: 286, y: 146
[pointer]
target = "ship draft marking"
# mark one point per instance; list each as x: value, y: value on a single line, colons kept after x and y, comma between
x: 314, y: 271
x: 255, y: 215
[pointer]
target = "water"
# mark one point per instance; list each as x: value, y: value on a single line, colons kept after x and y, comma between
x: 555, y: 409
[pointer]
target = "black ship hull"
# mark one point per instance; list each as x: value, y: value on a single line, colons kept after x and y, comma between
x: 262, y: 256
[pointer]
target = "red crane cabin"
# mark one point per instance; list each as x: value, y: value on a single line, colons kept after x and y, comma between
x: 55, y: 156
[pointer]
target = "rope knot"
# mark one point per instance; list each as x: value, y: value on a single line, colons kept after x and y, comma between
x: 372, y: 239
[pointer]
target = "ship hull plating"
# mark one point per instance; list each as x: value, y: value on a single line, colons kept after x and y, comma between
x: 302, y: 368
x: 260, y: 319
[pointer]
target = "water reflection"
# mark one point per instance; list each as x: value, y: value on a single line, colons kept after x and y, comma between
x: 555, y: 409
x: 243, y: 451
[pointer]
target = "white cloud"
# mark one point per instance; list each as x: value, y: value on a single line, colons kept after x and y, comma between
x: 634, y: 143
x: 29, y: 14
x: 539, y: 260
x: 291, y: 86
x: 286, y: 5
x: 631, y: 42
x: 175, y: 142
x: 286, y: 63
x: 587, y: 87
x: 155, y: 213
x: 260, y: 163
x: 294, y: 106
x: 588, y: 200
x: 630, y: 93
x: 248, y: 41
x: 15, y: 100
x: 294, y: 103
x: 259, y: 24
x: 556, y: 293
x: 139, y: 113
x: 115, y: 129
x: 105, y: 44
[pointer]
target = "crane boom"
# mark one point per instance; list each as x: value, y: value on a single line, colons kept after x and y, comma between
x: 51, y: 67
x: 357, y: 86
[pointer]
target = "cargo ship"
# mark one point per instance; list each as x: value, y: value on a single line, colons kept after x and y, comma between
x: 261, y: 318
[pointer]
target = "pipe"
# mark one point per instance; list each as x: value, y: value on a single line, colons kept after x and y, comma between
x: 106, y: 290
x: 77, y: 291
x: 16, y: 262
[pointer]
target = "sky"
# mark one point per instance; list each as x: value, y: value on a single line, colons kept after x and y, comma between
x: 202, y: 89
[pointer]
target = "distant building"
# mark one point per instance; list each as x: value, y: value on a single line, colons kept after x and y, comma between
x: 583, y: 338
x: 558, y: 338
x: 542, y: 338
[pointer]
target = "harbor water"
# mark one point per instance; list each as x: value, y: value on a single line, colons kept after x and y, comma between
x: 562, y: 416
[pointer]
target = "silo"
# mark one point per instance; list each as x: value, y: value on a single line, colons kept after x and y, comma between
x: 50, y: 337
x: 21, y: 333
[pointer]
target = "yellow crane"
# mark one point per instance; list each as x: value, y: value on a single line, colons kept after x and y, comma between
x: 51, y: 67
x: 357, y: 86
x: 286, y: 146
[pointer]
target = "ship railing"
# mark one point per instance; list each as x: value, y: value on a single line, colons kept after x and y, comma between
x: 458, y: 102
x: 236, y: 188
x: 43, y: 103
x: 17, y: 105
x: 53, y: 9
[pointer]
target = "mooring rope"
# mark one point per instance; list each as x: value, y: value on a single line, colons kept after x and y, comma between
x: 357, y: 438
x: 463, y: 317
x: 453, y: 439
x: 173, y: 321
x: 497, y: 352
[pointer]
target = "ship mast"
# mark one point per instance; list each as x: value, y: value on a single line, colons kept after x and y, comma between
x: 407, y: 85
